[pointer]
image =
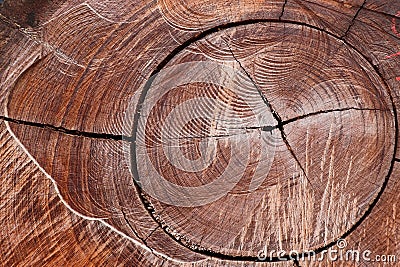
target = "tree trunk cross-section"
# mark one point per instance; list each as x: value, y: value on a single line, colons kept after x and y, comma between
x: 198, y: 133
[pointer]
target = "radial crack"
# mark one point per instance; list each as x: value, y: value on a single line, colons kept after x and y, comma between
x: 327, y: 111
x: 274, y: 113
x: 69, y: 131
x: 152, y: 232
x: 283, y: 10
x: 144, y: 240
x: 265, y: 100
x: 292, y: 153
x: 270, y: 128
x: 216, y: 136
x: 353, y: 20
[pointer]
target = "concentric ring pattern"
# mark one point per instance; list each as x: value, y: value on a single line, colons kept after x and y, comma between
x: 197, y: 133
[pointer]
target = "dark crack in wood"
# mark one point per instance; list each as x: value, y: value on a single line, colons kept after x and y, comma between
x: 144, y: 240
x: 274, y: 114
x: 353, y: 20
x: 69, y: 131
x: 283, y: 10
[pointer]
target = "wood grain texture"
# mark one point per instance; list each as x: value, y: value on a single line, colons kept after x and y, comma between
x: 302, y: 112
x: 38, y: 229
x: 198, y: 133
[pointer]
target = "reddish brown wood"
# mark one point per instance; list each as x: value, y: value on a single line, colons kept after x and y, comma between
x: 75, y: 99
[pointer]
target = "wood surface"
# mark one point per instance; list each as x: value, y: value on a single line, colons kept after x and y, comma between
x: 198, y: 133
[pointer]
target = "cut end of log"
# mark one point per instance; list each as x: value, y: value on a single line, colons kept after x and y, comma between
x: 197, y: 133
